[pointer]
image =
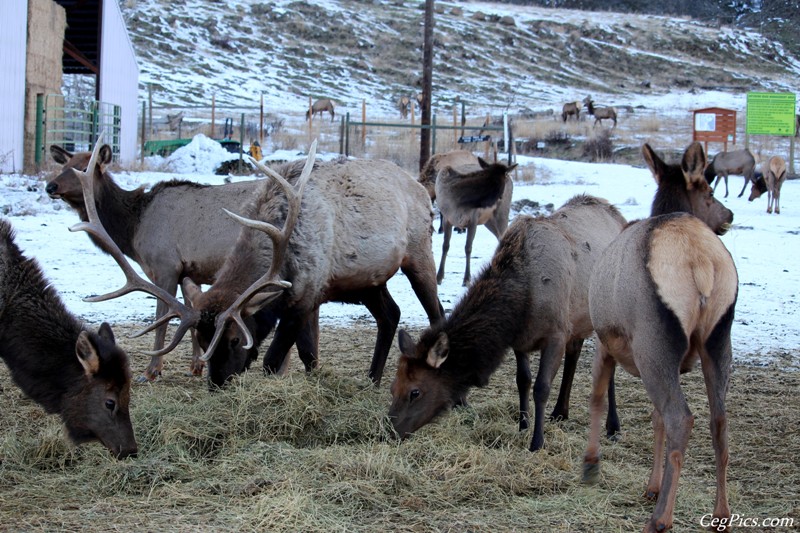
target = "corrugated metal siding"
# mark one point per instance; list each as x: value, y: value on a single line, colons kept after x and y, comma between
x: 12, y: 84
x: 120, y: 76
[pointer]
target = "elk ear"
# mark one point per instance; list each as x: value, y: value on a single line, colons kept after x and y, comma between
x: 87, y: 354
x: 259, y: 301
x: 106, y: 333
x: 439, y: 351
x: 483, y: 163
x: 406, y: 343
x: 655, y: 163
x: 59, y: 155
x: 512, y: 167
x: 694, y: 162
x: 191, y: 291
x: 105, y: 155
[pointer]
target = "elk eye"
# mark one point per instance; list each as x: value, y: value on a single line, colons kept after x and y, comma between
x: 111, y: 405
x: 414, y: 395
x: 234, y: 342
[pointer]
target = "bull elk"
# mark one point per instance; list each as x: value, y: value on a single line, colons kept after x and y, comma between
x: 770, y: 182
x: 532, y: 296
x: 470, y: 195
x: 661, y: 296
x: 326, y: 250
x: 739, y: 162
x: 174, y: 230
x: 600, y: 113
x: 79, y: 374
x: 319, y: 107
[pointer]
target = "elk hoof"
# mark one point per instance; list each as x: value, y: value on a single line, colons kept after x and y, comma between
x: 651, y: 495
x: 145, y: 379
x: 655, y: 526
x: 614, y: 436
x: 558, y: 416
x: 591, y: 473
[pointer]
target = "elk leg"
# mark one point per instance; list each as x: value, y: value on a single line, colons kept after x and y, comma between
x: 612, y: 419
x: 448, y: 232
x: 286, y: 335
x: 157, y: 361
x: 549, y: 361
x: 561, y: 410
x: 746, y: 181
x: 657, y: 473
x: 423, y: 283
x: 524, y: 388
x: 197, y: 365
x: 387, y: 315
x: 308, y: 342
x: 602, y: 370
x: 471, y: 230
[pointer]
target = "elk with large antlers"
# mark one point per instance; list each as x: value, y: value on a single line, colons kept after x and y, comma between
x: 661, y: 297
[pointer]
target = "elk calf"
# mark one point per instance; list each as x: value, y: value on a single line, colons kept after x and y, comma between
x: 80, y: 374
x: 770, y: 182
x: 661, y: 297
x: 532, y: 296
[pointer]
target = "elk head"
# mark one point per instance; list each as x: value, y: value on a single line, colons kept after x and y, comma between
x: 66, y: 186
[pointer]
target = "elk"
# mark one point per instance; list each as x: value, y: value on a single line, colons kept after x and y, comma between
x: 81, y: 375
x: 319, y: 107
x: 427, y: 176
x: 569, y: 109
x: 600, y: 113
x: 771, y: 181
x: 403, y: 105
x: 735, y: 162
x: 532, y: 296
x: 662, y: 296
x: 471, y: 195
x: 174, y: 230
x: 326, y: 250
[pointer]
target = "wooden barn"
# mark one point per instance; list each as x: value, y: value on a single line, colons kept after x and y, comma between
x: 46, y: 42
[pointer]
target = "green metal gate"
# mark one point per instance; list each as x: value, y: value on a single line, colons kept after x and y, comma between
x: 75, y: 125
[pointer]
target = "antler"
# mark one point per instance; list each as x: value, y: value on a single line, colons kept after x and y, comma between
x: 280, y: 242
x: 189, y: 317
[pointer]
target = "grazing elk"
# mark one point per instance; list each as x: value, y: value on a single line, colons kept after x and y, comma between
x: 82, y: 375
x: 569, y: 109
x: 472, y: 195
x: 532, y: 296
x: 174, y: 230
x: 739, y: 162
x: 319, y: 107
x: 770, y: 182
x: 403, y: 104
x: 661, y: 296
x: 600, y: 113
x: 327, y: 250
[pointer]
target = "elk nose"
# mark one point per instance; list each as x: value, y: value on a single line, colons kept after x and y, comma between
x: 127, y: 452
x: 51, y: 187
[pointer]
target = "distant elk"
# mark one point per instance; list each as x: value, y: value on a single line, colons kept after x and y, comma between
x: 327, y: 250
x: 569, y: 109
x: 533, y: 296
x: 600, y: 113
x: 79, y: 374
x: 174, y: 230
x: 470, y: 195
x: 661, y: 297
x: 739, y: 162
x: 770, y: 181
x: 319, y: 107
x: 405, y: 104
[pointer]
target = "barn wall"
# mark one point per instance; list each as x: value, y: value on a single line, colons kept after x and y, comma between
x: 119, y: 83
x: 46, y: 24
x: 12, y: 84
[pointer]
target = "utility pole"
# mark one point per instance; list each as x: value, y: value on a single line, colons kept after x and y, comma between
x: 427, y: 82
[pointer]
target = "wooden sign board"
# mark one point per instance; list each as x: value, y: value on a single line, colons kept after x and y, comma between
x: 771, y: 114
x: 714, y: 124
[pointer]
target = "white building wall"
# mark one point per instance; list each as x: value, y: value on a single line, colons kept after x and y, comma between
x: 13, y: 43
x: 119, y: 83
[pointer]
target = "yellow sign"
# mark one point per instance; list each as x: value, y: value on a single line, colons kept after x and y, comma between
x: 771, y: 114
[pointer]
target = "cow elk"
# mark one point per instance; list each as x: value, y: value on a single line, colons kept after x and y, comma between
x: 532, y: 296
x: 569, y: 109
x: 327, y: 250
x: 770, y: 181
x: 174, y: 230
x: 470, y: 195
x: 80, y: 374
x: 437, y: 162
x: 600, y: 113
x: 661, y: 297
x: 739, y: 162
x: 319, y: 107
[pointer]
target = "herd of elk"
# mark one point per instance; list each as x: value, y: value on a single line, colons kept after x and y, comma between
x: 469, y: 195
x: 770, y: 181
x: 532, y: 296
x: 600, y: 113
x: 661, y: 297
x: 319, y: 107
x: 739, y: 162
x: 174, y: 230
x: 80, y: 374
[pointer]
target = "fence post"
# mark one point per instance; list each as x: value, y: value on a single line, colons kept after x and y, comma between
x: 363, y: 121
x: 144, y: 131
x: 433, y: 134
x: 463, y: 117
x: 116, y: 129
x: 241, y: 142
x: 37, y: 158
x: 95, y: 113
x: 341, y: 135
x: 347, y: 135
x: 213, y: 113
x: 455, y: 124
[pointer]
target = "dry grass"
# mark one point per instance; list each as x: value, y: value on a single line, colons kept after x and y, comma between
x: 310, y: 453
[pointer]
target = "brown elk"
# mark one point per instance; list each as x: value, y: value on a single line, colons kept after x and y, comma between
x: 770, y: 182
x: 471, y: 195
x: 319, y: 107
x: 569, y: 109
x: 734, y: 162
x: 326, y: 251
x: 403, y: 105
x: 532, y: 296
x: 80, y: 374
x: 600, y: 113
x: 174, y: 230
x: 661, y: 296
x: 427, y: 176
